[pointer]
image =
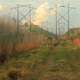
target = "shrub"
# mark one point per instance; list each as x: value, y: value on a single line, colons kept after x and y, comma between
x: 8, y: 37
x: 13, y: 75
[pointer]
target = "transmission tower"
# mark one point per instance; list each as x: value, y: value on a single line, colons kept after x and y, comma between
x: 67, y: 20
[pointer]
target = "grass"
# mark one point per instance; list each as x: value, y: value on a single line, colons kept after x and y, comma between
x: 44, y: 63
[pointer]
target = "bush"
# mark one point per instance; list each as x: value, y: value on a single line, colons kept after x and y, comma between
x: 3, y: 58
x: 8, y: 37
x: 13, y: 75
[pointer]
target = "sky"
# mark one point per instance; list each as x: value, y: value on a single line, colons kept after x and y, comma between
x: 44, y: 17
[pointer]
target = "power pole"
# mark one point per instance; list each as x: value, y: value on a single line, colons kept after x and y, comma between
x: 68, y: 19
x: 56, y: 23
x: 17, y: 19
x: 30, y: 17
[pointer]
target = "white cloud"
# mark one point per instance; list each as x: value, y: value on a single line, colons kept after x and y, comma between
x: 3, y: 7
x: 41, y: 14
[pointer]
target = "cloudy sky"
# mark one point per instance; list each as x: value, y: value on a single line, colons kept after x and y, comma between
x: 41, y: 15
